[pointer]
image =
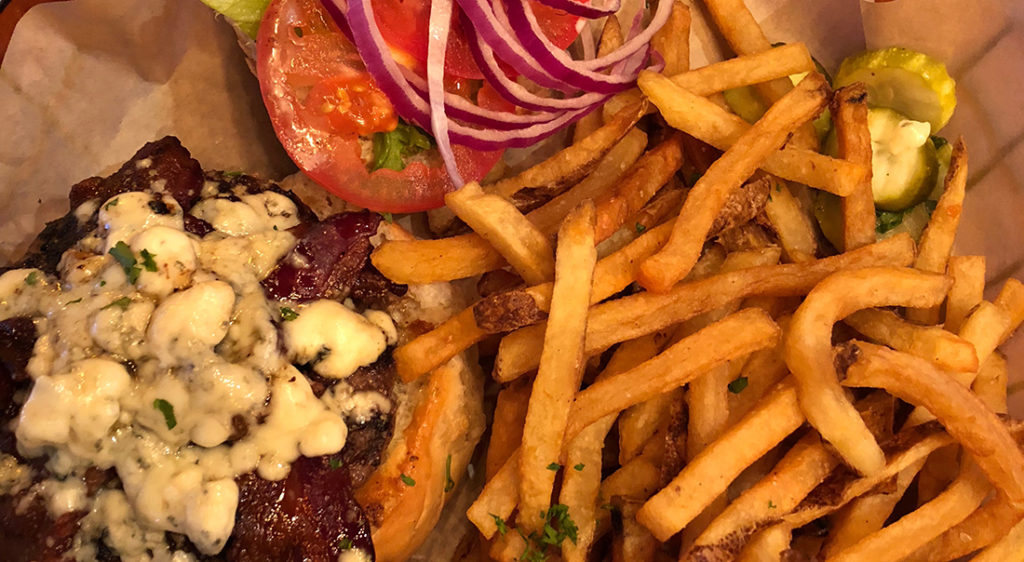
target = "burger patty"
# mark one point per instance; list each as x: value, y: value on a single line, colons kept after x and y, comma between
x: 310, y: 514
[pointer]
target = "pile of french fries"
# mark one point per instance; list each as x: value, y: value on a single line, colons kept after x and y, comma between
x: 689, y: 371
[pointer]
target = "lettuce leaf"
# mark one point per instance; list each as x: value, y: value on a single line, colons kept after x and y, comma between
x: 246, y: 14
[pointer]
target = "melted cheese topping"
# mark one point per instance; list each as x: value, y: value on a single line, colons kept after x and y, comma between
x: 153, y: 377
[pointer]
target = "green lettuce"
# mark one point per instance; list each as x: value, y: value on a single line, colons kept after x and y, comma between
x: 246, y: 14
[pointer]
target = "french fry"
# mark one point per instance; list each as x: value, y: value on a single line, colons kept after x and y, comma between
x: 850, y: 115
x: 498, y: 498
x: 808, y: 350
x: 652, y: 171
x: 1006, y: 548
x: 662, y: 270
x: 985, y: 328
x: 634, y: 543
x: 573, y: 163
x: 943, y: 348
x: 991, y: 383
x: 708, y: 122
x: 561, y: 366
x: 432, y: 261
x: 664, y: 204
x: 794, y: 228
x: 643, y: 313
x: 968, y: 273
x: 768, y: 544
x: 506, y: 311
x: 639, y: 478
x: 611, y: 39
x: 937, y: 238
x: 638, y: 423
x: 708, y: 475
x: 803, y: 468
x: 1011, y: 299
x: 672, y: 41
x: 499, y: 223
x: 763, y: 370
x: 509, y: 415
x: 930, y: 520
x: 984, y: 527
x: 735, y: 336
x: 508, y: 547
x: 745, y: 70
x: 427, y: 352
x: 581, y: 476
x: 962, y: 413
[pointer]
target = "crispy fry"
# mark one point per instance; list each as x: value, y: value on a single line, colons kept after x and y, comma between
x: 1006, y: 548
x: 639, y: 478
x: 963, y: 414
x: 937, y: 238
x: 663, y: 205
x: 581, y: 477
x: 968, y: 273
x: 432, y: 261
x: 499, y: 223
x: 634, y: 543
x: 507, y: 547
x: 639, y: 423
x: 763, y: 370
x: 509, y: 414
x: 611, y: 39
x: 507, y: 311
x: 434, y: 348
x: 573, y: 163
x: 652, y: 171
x: 662, y: 270
x: 709, y: 474
x: 808, y: 349
x: 498, y: 498
x: 991, y: 383
x: 631, y: 317
x: 672, y: 41
x: 985, y: 328
x: 1011, y: 299
x: 768, y: 545
x: 561, y: 366
x: 943, y: 348
x: 701, y: 118
x: 795, y: 229
x: 984, y: 527
x: 850, y: 115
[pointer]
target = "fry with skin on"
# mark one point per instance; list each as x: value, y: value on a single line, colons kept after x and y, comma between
x: 611, y: 39
x: 499, y: 223
x: 561, y: 366
x: 768, y: 544
x: 937, y: 238
x: 850, y: 115
x: 662, y: 270
x: 706, y: 121
x: 962, y: 413
x: 643, y: 313
x: 708, y: 475
x: 795, y: 229
x: 968, y: 273
x: 945, y: 349
x: 652, y: 171
x: 984, y: 527
x: 808, y: 350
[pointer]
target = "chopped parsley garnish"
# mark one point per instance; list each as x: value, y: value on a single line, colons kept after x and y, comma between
x: 391, y: 149
x: 78, y: 300
x: 500, y: 523
x: 388, y: 217
x: 407, y: 480
x: 771, y: 505
x: 334, y: 463
x: 558, y: 526
x: 147, y: 260
x: 554, y: 466
x: 288, y: 314
x: 32, y: 278
x: 112, y: 203
x: 579, y: 467
x: 640, y: 228
x: 887, y: 220
x: 121, y: 303
x: 345, y: 543
x: 737, y: 385
x: 123, y: 254
x: 167, y: 409
x: 449, y: 484
x: 298, y: 31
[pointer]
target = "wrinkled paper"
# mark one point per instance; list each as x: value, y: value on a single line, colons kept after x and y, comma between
x: 84, y: 84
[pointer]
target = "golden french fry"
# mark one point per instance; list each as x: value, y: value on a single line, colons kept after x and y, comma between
x: 573, y: 163
x: 1011, y: 299
x: 795, y: 229
x: 768, y: 544
x: 611, y: 39
x: 708, y: 122
x: 427, y: 352
x: 968, y: 273
x: 962, y: 413
x: 763, y: 370
x: 735, y: 336
x: 943, y: 348
x: 662, y: 270
x: 498, y: 499
x: 508, y: 547
x: 509, y: 415
x: 638, y: 478
x: 663, y: 205
x: 985, y: 328
x: 634, y: 543
x: 499, y: 223
x: 1006, y: 548
x: 561, y: 366
x: 432, y: 261
x: 850, y: 115
x: 672, y: 41
x: 984, y: 527
x: 581, y: 475
x: 652, y: 171
x: 991, y: 383
x: 937, y: 238
x: 708, y: 475
x: 643, y: 313
x: 808, y: 349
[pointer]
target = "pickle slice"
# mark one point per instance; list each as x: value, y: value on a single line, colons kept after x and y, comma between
x: 909, y: 82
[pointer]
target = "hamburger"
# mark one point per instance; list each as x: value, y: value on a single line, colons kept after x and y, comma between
x: 196, y: 365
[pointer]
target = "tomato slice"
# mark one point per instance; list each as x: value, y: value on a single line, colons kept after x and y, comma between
x: 404, y: 24
x: 309, y: 72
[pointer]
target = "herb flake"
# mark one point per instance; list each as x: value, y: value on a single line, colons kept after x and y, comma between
x: 121, y: 303
x: 640, y: 228
x: 123, y: 255
x: 167, y: 409
x: 392, y: 148
x: 579, y: 467
x: 738, y: 385
x: 32, y: 278
x: 287, y: 314
x: 500, y: 524
x: 554, y: 467
x: 407, y: 480
x: 345, y: 543
x: 147, y: 260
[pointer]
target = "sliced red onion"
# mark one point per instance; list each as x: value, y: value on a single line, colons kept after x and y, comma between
x: 437, y: 44
x: 588, y: 11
